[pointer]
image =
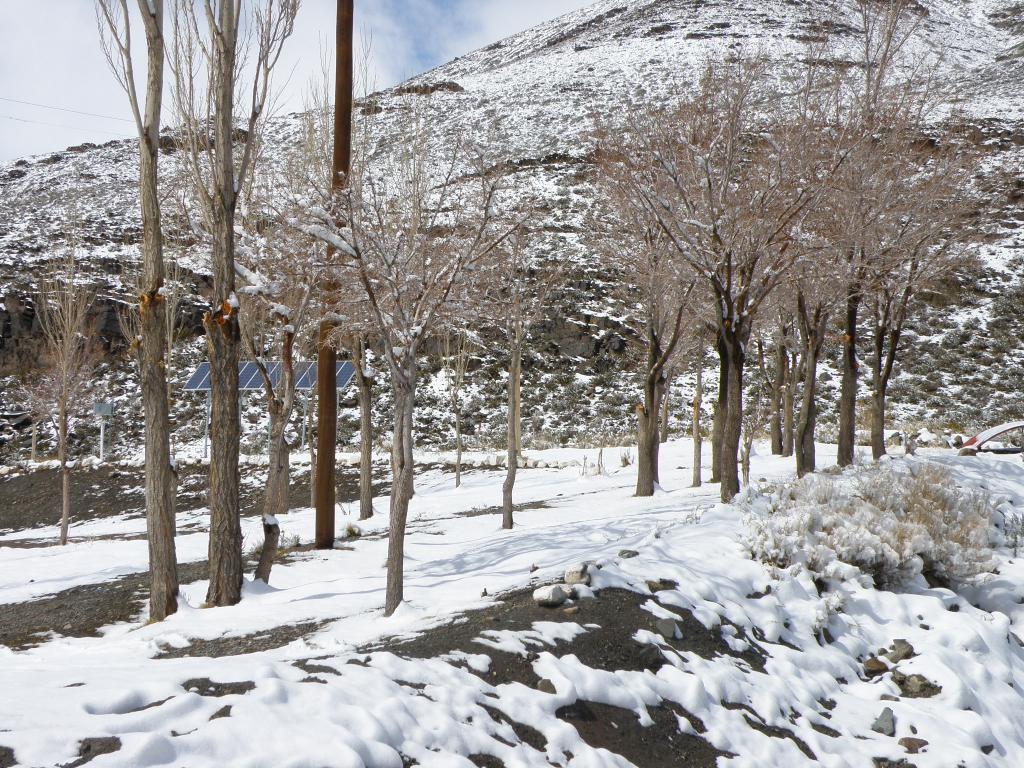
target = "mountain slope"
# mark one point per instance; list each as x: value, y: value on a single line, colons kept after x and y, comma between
x: 535, y: 97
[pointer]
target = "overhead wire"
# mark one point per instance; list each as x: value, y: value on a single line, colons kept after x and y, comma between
x: 101, y: 131
x: 65, y: 109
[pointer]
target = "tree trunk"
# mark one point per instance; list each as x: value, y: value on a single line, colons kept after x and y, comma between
x: 222, y: 332
x: 805, y: 454
x: 365, y: 384
x: 312, y: 450
x: 778, y: 385
x: 275, y: 501
x: 401, y: 485
x: 223, y: 340
x: 458, y: 446
x: 721, y: 411
x: 698, y: 397
x: 512, y: 463
x: 788, y: 399
x: 35, y: 440
x: 159, y: 473
x: 666, y: 408
x: 848, y: 390
x: 812, y: 333
x: 732, y: 426
x: 878, y: 423
x: 65, y: 473
x: 647, y: 442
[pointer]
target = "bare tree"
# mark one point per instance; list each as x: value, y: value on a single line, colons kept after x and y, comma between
x: 887, y: 86
x: 209, y: 70
x: 454, y: 363
x: 518, y: 286
x: 634, y: 244
x: 282, y: 302
x: 919, y: 242
x: 725, y: 177
x: 115, y: 26
x: 407, y: 228
x: 62, y: 308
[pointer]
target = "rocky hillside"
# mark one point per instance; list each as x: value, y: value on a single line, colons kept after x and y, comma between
x: 540, y: 93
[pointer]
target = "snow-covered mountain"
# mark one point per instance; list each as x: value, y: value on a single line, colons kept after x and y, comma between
x: 537, y: 96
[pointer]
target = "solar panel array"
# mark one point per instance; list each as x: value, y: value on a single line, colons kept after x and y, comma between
x: 249, y: 377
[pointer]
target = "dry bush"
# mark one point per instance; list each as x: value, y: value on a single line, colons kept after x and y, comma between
x: 893, y: 521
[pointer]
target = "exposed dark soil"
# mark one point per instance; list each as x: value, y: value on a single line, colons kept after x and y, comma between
x: 81, y: 611
x: 33, y: 500
x: 610, y: 646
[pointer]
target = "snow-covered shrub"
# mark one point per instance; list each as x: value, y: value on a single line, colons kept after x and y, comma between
x: 893, y: 520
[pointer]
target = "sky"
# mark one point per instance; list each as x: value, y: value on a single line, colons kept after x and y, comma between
x: 50, y: 58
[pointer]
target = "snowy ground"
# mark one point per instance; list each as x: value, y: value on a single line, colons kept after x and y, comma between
x: 813, y: 684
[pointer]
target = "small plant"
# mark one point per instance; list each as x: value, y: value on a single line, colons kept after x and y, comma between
x: 892, y: 521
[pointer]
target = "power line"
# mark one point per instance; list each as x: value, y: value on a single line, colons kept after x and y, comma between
x: 68, y: 127
x: 65, y: 109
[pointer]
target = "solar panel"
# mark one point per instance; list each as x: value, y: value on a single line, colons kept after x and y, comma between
x: 249, y: 377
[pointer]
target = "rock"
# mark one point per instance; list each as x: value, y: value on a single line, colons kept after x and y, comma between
x: 571, y: 610
x: 668, y: 629
x: 886, y: 723
x: 546, y: 686
x: 912, y: 744
x: 874, y: 667
x: 578, y: 574
x: 901, y: 651
x: 889, y: 697
x: 915, y: 686
x: 550, y: 596
x: 651, y: 658
x: 885, y: 762
x: 661, y: 584
x: 625, y: 554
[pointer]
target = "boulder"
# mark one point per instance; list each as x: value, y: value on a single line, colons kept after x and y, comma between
x: 912, y: 744
x: 578, y: 574
x: 550, y: 596
x: 668, y: 629
x: 916, y: 686
x: 874, y: 667
x: 885, y: 724
x: 900, y: 650
x: 625, y: 554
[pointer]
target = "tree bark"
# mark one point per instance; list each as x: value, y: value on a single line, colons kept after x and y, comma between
x: 223, y: 340
x: 698, y: 397
x: 666, y: 408
x: 778, y: 385
x: 458, y: 445
x: 878, y: 423
x: 275, y: 501
x: 401, y: 485
x: 35, y: 440
x: 222, y: 331
x: 721, y: 410
x: 65, y: 472
x: 159, y: 474
x: 788, y: 400
x: 732, y: 426
x: 812, y: 331
x: 512, y: 463
x: 365, y: 385
x: 848, y: 389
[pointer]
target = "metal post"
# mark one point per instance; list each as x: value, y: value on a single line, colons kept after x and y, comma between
x: 327, y: 357
x: 103, y: 424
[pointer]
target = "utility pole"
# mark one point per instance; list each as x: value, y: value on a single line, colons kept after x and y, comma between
x: 327, y: 356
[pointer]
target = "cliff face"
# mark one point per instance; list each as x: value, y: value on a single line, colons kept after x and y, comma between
x: 536, y: 97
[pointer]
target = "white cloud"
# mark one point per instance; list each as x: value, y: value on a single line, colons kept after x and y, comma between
x: 50, y: 54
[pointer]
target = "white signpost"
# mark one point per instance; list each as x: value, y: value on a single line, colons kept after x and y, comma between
x: 103, y: 411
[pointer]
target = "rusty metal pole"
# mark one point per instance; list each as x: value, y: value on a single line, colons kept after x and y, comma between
x: 327, y: 356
